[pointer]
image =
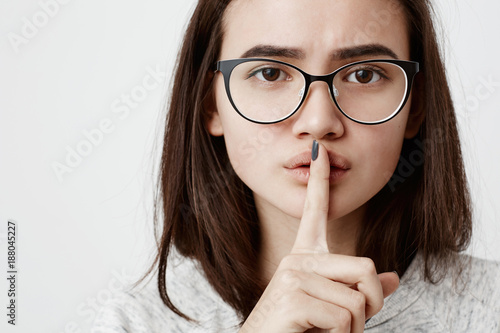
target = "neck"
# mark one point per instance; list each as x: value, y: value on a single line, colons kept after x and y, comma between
x: 278, y: 232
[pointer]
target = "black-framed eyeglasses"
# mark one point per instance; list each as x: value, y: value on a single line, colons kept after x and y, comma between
x: 268, y: 91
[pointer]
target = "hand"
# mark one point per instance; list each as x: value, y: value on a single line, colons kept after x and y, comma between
x: 313, y: 290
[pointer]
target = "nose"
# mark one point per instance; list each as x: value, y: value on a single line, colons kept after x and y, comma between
x: 318, y: 116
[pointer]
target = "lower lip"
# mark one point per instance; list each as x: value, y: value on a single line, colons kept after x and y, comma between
x: 301, y: 174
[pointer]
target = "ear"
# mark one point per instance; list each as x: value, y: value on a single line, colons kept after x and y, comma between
x: 213, y: 122
x: 417, y: 111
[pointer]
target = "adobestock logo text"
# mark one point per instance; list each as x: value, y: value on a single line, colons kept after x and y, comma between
x: 30, y: 27
x: 120, y: 110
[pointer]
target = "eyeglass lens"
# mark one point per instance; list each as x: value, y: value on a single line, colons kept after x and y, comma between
x: 268, y: 91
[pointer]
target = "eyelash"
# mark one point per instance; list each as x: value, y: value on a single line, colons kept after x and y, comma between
x: 259, y: 70
x: 376, y: 70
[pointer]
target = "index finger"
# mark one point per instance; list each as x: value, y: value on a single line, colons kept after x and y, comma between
x: 312, y: 233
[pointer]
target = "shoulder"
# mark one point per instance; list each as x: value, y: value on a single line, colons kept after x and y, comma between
x: 466, y: 302
x: 478, y: 283
x: 141, y: 309
x: 480, y: 280
x: 133, y: 311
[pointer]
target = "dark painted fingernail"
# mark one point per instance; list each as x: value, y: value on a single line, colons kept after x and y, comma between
x: 366, y: 322
x: 315, y: 150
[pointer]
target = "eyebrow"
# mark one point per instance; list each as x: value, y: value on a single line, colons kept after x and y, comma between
x: 341, y: 54
x: 273, y: 51
x: 363, y: 50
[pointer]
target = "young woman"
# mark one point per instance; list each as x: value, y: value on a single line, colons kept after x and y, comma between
x: 311, y: 158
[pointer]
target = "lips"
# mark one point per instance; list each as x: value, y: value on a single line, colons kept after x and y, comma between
x: 304, y: 159
x: 298, y: 166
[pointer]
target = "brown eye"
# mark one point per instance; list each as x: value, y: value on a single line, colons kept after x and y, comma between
x: 271, y: 74
x: 364, y: 76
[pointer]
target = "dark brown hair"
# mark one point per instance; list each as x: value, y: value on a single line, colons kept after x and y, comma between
x: 209, y: 215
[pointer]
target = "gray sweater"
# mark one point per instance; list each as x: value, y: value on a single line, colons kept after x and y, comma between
x: 416, y: 306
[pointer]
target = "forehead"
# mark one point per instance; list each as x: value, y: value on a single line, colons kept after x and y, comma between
x: 318, y: 28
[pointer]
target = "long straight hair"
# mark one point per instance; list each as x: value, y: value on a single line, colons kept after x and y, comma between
x: 208, y: 213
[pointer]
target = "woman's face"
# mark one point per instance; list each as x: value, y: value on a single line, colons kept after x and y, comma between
x: 263, y: 155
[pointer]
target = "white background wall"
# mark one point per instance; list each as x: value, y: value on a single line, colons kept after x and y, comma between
x: 88, y: 232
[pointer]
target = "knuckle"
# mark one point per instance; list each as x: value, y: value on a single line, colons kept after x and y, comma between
x: 310, y: 263
x: 289, y: 302
x: 289, y: 261
x: 358, y: 302
x: 289, y: 279
x: 344, y: 320
x: 368, y: 266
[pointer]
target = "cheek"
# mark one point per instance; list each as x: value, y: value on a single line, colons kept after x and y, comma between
x: 251, y: 148
x: 386, y: 157
x: 248, y: 144
x: 382, y: 150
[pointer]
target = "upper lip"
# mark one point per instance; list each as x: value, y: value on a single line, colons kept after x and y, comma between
x: 304, y: 159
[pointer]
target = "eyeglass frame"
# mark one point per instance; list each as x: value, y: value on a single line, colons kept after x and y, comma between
x: 410, y: 68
